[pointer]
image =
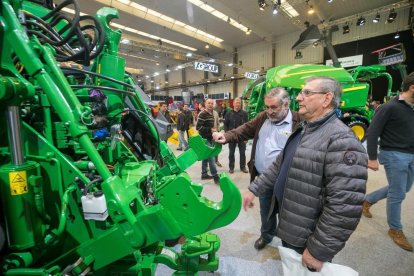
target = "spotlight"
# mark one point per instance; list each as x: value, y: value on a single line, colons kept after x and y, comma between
x: 392, y: 16
x: 207, y: 46
x: 345, y: 29
x: 330, y: 1
x: 298, y: 54
x: 315, y: 44
x: 262, y: 4
x: 397, y: 36
x: 274, y: 12
x: 360, y: 21
x: 376, y: 18
x: 311, y: 10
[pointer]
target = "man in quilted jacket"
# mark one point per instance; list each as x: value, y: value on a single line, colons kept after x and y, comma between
x: 318, y: 180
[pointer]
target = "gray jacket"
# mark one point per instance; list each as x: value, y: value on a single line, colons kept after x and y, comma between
x: 325, y: 188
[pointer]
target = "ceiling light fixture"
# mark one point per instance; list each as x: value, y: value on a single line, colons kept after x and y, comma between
x: 392, y: 16
x: 376, y: 18
x: 262, y: 4
x: 310, y: 10
x: 274, y: 12
x: 203, y: 5
x: 360, y: 21
x: 207, y: 46
x: 397, y: 35
x: 249, y: 31
x: 330, y: 1
x: 345, y: 29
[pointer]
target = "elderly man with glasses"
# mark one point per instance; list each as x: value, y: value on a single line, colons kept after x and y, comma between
x: 318, y: 181
x: 269, y: 131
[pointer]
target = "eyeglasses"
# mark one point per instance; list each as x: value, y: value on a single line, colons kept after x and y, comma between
x: 307, y: 93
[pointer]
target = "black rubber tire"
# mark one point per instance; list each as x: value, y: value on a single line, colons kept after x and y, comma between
x: 359, y: 128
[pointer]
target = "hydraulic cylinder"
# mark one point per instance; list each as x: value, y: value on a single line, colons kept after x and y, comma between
x: 23, y: 225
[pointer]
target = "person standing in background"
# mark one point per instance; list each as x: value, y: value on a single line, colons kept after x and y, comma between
x: 181, y: 128
x: 393, y: 123
x: 233, y: 119
x: 222, y: 110
x: 188, y: 119
x: 165, y: 112
x: 205, y: 127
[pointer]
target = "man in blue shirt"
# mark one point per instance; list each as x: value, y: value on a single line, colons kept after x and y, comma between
x: 270, y: 131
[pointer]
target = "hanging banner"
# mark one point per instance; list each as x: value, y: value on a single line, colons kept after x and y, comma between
x: 252, y: 76
x: 350, y: 61
x: 206, y: 67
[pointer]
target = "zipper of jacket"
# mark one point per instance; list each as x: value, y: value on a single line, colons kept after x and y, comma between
x: 287, y: 174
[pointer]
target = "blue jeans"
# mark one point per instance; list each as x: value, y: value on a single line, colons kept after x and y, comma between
x: 399, y: 168
x: 211, y: 162
x: 181, y: 139
x: 268, y: 228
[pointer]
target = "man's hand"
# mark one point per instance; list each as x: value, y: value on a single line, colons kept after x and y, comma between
x: 373, y: 165
x: 248, y: 198
x: 309, y: 261
x: 219, y: 137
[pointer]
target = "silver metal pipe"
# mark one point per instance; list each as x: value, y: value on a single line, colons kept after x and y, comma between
x: 15, y: 135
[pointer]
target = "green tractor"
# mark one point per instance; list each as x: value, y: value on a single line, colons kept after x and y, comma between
x: 86, y: 184
x: 355, y: 111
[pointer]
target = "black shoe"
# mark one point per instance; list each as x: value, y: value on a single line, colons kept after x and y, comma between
x: 260, y: 244
x: 205, y: 177
x: 216, y: 180
x: 231, y: 171
x: 180, y: 149
x: 244, y: 170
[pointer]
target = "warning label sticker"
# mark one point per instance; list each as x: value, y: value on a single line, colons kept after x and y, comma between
x: 18, y: 182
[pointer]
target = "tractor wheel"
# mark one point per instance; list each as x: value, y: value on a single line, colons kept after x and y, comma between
x: 359, y: 128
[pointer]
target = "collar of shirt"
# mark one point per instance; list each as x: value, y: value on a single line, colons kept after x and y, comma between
x: 286, y: 120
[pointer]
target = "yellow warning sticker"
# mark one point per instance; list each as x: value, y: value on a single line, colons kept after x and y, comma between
x: 18, y: 182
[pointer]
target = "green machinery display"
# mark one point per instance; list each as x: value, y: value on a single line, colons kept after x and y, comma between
x: 86, y: 185
x: 356, y: 89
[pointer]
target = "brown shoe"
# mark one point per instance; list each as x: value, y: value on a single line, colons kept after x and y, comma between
x: 399, y: 238
x: 365, y: 209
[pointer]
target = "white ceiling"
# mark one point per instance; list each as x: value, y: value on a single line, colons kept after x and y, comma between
x: 263, y: 24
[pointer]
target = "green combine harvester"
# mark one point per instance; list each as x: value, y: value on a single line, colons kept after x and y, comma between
x: 355, y: 111
x: 87, y: 186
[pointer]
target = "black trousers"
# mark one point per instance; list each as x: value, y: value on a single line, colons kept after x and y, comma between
x: 242, y: 152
